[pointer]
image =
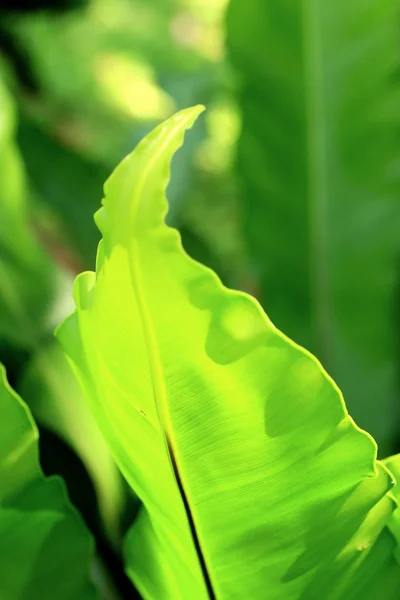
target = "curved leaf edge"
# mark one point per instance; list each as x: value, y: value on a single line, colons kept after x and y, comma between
x: 84, y: 288
x: 38, y: 476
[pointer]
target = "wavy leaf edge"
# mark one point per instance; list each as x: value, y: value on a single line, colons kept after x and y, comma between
x: 85, y: 288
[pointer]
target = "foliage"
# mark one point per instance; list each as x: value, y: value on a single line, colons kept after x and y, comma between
x: 235, y: 446
x: 25, y: 285
x: 45, y: 550
x: 32, y: 301
x: 244, y: 456
x: 317, y: 154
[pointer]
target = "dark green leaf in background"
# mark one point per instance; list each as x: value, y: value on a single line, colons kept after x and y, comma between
x: 26, y: 273
x: 317, y: 158
x: 49, y: 387
x: 68, y: 183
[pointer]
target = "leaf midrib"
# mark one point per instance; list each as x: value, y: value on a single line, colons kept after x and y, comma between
x: 154, y: 361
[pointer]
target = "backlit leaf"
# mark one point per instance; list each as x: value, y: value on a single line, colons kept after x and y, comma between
x: 255, y: 482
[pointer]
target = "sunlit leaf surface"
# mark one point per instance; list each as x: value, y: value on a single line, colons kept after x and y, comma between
x: 255, y: 482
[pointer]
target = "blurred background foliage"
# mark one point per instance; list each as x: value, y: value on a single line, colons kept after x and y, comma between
x: 81, y: 82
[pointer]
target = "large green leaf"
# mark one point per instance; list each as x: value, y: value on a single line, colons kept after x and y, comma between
x: 49, y: 387
x: 316, y: 158
x: 26, y: 287
x: 255, y: 481
x: 45, y: 549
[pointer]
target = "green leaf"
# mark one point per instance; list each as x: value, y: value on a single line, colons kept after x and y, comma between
x: 317, y: 158
x: 45, y: 549
x: 393, y: 464
x: 49, y: 387
x: 26, y: 286
x: 70, y: 188
x: 254, y: 480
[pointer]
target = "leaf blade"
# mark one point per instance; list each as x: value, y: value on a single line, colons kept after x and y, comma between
x: 283, y: 490
x: 316, y: 157
x: 34, y: 516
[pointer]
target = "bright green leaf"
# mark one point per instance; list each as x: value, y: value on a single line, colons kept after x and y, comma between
x: 45, y: 549
x: 255, y: 481
x: 317, y: 157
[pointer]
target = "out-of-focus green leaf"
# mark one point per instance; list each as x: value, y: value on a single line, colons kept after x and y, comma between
x: 254, y: 480
x: 26, y: 286
x: 45, y: 549
x: 316, y: 155
x: 115, y: 68
x: 198, y: 249
x: 70, y: 188
x: 187, y: 90
x: 49, y: 387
